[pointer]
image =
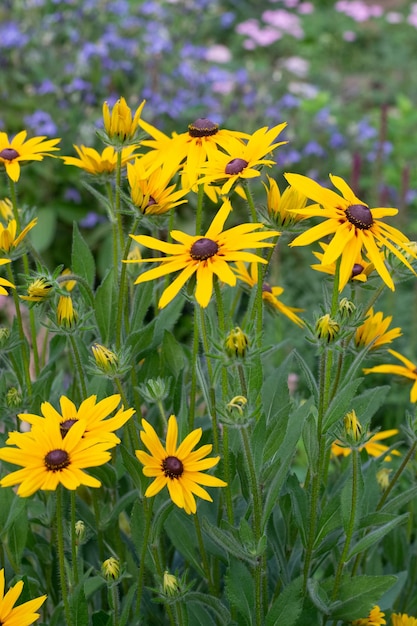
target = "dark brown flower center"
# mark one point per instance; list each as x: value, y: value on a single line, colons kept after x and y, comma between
x: 57, y: 460
x: 203, y: 128
x: 235, y: 166
x: 66, y: 425
x: 9, y: 154
x: 360, y: 216
x: 266, y: 287
x: 151, y: 202
x: 203, y: 249
x: 357, y: 269
x: 173, y: 468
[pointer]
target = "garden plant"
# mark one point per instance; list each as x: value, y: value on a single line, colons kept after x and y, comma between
x: 207, y: 340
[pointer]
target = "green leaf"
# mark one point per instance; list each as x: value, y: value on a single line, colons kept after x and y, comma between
x: 358, y: 595
x: 367, y: 403
x: 127, y: 604
x: 229, y: 544
x: 172, y: 353
x: 299, y: 506
x: 346, y: 497
x: 375, y: 535
x: 287, y: 608
x: 42, y: 235
x: 182, y: 534
x: 240, y: 591
x: 279, y: 470
x: 341, y: 403
x: 82, y: 260
x: 395, y: 504
x: 101, y: 618
x: 214, y: 604
x: 309, y: 376
x: 78, y: 606
x: 105, y: 309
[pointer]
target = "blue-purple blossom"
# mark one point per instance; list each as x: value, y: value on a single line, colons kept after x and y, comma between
x: 41, y: 123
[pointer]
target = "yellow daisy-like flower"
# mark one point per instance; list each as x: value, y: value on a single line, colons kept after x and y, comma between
x: 95, y: 416
x: 177, y: 467
x: 375, y: 618
x: 402, y: 619
x: 119, y: 124
x: 269, y: 294
x: 372, y: 446
x: 66, y: 315
x: 95, y: 163
x: 283, y: 206
x: 354, y: 225
x: 22, y: 615
x: 39, y: 290
x: 361, y: 269
x: 327, y: 328
x: 408, y: 370
x: 4, y: 282
x: 8, y: 239
x: 18, y: 149
x: 6, y: 209
x: 151, y: 192
x: 375, y: 329
x: 111, y: 568
x: 205, y: 256
x: 203, y: 140
x: 104, y: 358
x: 48, y: 459
x: 244, y: 161
x: 353, y: 426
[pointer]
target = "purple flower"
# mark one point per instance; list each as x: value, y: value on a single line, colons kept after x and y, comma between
x: 313, y: 148
x: 11, y: 36
x: 288, y: 101
x: 46, y: 86
x: 41, y: 123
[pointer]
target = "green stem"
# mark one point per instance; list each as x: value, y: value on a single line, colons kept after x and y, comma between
x: 148, y: 506
x: 213, y: 410
x: 100, y: 537
x: 199, y: 209
x: 115, y: 602
x: 251, y: 203
x: 314, y: 473
x: 203, y: 555
x: 74, y: 540
x: 25, y: 347
x: 61, y: 553
x: 113, y: 220
x: 194, y: 359
x: 78, y: 365
x: 351, y: 523
x: 122, y: 304
x: 257, y: 526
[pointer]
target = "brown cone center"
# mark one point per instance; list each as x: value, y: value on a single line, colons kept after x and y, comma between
x: 360, y: 216
x: 357, y: 269
x: 266, y: 287
x: 66, y: 425
x: 235, y: 166
x: 203, y: 249
x: 57, y: 460
x: 9, y: 154
x: 172, y: 466
x: 202, y: 127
